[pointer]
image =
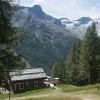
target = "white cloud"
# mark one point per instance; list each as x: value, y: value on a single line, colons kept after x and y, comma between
x: 67, y: 8
x: 37, y: 1
x: 30, y: 2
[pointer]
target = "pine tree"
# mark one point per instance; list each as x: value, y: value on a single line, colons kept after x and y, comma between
x: 90, y: 54
x: 55, y: 70
x: 9, y: 37
x: 72, y: 71
x: 58, y: 70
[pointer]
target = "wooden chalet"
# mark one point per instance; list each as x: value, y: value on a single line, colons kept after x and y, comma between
x: 27, y: 79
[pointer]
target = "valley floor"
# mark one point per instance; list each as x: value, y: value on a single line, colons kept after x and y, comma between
x: 63, y: 92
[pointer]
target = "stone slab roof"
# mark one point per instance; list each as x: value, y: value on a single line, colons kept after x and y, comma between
x: 27, y: 74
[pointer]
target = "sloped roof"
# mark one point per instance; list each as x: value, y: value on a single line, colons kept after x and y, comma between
x: 27, y: 74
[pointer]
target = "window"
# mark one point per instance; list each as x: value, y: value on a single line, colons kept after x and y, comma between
x: 35, y: 83
x: 25, y: 85
x: 21, y: 86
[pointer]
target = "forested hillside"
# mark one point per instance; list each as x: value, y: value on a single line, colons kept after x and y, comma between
x: 83, y: 62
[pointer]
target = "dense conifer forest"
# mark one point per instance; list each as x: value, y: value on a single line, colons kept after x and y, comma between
x: 83, y: 62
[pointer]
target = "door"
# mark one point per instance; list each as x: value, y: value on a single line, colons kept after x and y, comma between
x: 17, y: 87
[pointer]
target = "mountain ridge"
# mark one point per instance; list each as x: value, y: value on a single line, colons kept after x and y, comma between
x: 47, y: 39
x: 77, y: 27
x: 80, y: 25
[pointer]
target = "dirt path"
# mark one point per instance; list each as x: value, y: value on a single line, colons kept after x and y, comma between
x: 82, y: 97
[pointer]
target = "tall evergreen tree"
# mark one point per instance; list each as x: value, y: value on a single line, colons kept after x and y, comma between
x: 58, y: 70
x: 72, y: 70
x: 90, y: 54
x: 9, y: 37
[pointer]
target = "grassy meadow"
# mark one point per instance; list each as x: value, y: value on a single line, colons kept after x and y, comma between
x: 62, y: 92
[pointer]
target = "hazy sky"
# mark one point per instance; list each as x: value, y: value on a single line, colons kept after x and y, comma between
x: 71, y: 9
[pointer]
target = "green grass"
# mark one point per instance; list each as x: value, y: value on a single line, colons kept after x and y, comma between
x: 97, y: 92
x: 54, y: 98
x: 71, y: 88
x: 3, y: 96
x: 28, y: 93
x: 56, y: 94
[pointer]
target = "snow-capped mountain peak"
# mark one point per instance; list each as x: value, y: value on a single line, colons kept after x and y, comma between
x: 79, y: 26
x: 96, y: 19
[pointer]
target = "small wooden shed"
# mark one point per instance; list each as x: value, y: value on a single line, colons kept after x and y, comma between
x: 27, y: 79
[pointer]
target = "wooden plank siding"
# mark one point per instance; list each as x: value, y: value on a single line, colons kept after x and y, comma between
x: 30, y: 85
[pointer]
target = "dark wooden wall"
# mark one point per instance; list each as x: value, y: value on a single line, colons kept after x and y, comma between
x: 30, y: 85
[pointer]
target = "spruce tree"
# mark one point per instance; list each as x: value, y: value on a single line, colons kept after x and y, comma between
x: 58, y: 70
x: 90, y: 53
x: 9, y: 37
x: 72, y: 71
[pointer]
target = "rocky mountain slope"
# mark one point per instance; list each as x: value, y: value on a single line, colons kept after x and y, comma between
x: 47, y: 38
x: 79, y: 26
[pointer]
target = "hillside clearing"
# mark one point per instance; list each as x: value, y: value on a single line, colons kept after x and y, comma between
x: 74, y: 93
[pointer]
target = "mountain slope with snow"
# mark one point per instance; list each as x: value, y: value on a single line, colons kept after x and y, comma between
x: 80, y: 26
